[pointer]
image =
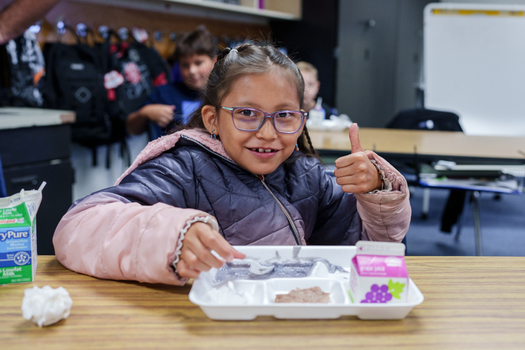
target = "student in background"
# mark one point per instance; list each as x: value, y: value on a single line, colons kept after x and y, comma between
x: 311, y: 89
x: 243, y: 171
x: 172, y: 104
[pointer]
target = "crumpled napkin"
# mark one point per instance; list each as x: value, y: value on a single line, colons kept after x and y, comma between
x: 45, y: 306
x: 227, y: 294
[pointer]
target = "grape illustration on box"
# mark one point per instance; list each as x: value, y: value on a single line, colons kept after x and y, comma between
x: 384, y: 293
x: 378, y: 273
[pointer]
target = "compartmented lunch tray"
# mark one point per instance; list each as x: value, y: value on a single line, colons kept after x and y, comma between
x: 248, y: 298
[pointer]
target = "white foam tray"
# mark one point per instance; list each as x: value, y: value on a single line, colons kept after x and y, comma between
x: 262, y: 292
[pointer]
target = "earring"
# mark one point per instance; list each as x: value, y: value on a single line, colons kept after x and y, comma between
x: 212, y: 136
x: 296, y: 147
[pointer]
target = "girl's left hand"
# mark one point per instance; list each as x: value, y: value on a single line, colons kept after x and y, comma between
x: 355, y: 172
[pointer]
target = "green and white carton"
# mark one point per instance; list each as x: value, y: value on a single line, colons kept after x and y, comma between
x: 18, y: 255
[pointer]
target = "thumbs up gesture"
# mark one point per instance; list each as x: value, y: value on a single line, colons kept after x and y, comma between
x: 355, y: 172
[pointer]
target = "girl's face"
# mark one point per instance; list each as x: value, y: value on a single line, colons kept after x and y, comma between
x: 262, y: 151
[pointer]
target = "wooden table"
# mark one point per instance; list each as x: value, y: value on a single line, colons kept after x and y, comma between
x: 434, y: 144
x: 462, y: 310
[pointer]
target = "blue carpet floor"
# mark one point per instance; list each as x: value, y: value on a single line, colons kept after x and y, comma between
x: 502, y: 226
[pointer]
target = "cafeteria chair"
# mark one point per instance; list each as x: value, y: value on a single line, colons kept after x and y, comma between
x: 428, y: 119
x: 425, y: 119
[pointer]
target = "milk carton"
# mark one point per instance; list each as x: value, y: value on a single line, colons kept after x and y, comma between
x: 317, y: 114
x: 18, y: 236
x: 378, y: 273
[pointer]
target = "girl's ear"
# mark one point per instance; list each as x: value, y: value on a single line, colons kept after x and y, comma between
x: 209, y: 118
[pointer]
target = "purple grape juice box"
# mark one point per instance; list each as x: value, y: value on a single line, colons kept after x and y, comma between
x: 378, y: 273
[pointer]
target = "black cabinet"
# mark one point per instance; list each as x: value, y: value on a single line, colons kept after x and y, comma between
x: 35, y: 154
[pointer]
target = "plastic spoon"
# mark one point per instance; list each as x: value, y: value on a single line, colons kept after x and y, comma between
x: 255, y: 267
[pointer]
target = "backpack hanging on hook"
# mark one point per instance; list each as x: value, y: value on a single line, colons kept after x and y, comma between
x: 21, y: 70
x: 134, y: 71
x: 75, y: 81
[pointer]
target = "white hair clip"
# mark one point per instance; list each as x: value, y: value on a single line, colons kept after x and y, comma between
x: 234, y: 50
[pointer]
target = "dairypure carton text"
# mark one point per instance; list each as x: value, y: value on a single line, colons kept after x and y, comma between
x: 18, y: 236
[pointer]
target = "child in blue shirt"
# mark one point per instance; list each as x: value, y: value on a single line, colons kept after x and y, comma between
x: 174, y: 103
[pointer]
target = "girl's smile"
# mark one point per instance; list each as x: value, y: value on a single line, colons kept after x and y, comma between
x: 263, y: 152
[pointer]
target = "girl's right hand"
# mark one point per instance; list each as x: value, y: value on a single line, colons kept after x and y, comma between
x: 160, y: 114
x: 196, y: 255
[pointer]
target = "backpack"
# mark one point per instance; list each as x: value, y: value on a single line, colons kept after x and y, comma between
x: 75, y: 81
x: 134, y: 70
x: 103, y: 84
x: 21, y: 69
x: 158, y: 67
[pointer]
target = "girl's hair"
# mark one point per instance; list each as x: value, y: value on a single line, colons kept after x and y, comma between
x: 249, y: 59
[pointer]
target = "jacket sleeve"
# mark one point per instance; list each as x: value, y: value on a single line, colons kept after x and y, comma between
x: 108, y: 237
x: 386, y: 214
x: 126, y: 232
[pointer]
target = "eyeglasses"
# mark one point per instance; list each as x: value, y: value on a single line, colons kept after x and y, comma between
x: 251, y: 119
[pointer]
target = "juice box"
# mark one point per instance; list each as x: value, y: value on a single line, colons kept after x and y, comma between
x: 378, y: 273
x: 18, y: 236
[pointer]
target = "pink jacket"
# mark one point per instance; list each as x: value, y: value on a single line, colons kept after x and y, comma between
x: 110, y: 237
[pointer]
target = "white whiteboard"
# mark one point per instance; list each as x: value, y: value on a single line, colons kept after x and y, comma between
x: 474, y: 65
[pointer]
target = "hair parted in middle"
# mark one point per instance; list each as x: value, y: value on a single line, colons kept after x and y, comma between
x: 243, y: 60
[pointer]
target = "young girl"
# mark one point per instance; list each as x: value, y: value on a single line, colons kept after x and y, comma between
x: 242, y: 172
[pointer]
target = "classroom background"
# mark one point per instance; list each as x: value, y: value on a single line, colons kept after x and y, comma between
x: 369, y: 56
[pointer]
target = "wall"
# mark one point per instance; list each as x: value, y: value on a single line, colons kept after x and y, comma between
x: 313, y: 39
x: 379, y: 58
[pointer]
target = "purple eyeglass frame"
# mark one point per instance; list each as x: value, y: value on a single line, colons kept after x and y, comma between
x: 267, y: 115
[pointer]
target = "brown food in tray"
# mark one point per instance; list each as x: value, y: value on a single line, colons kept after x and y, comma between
x: 307, y: 295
